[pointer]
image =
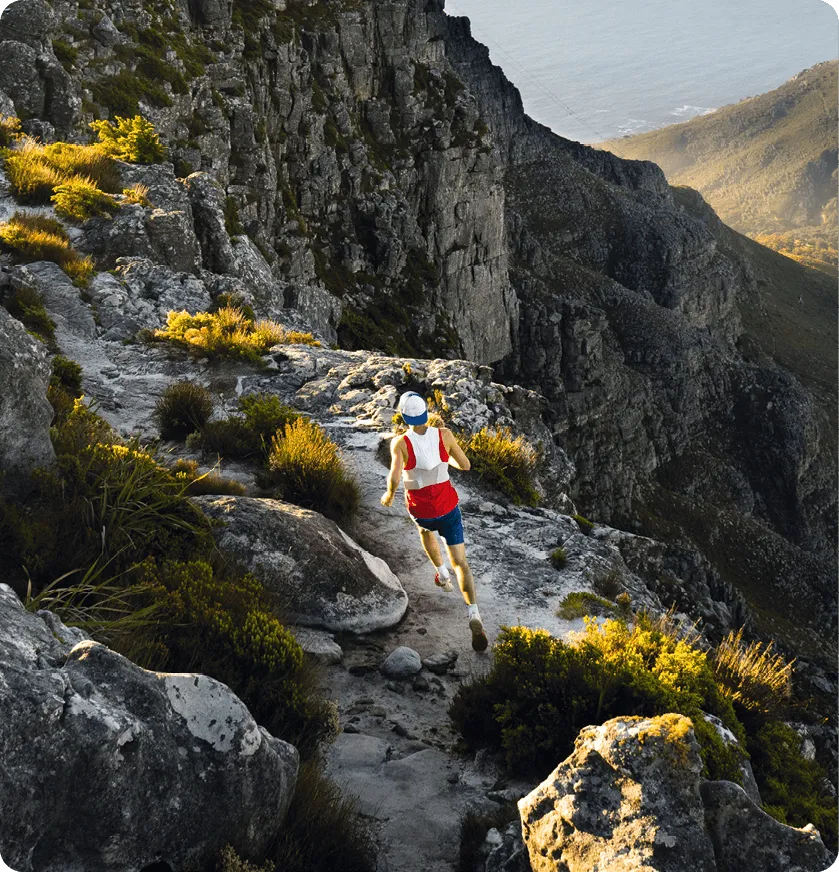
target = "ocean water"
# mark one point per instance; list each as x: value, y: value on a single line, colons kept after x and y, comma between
x: 597, y: 69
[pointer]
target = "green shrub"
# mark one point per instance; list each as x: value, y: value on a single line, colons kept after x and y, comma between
x: 31, y: 238
x: 27, y: 305
x: 505, y: 462
x: 229, y: 861
x: 79, y: 199
x: 580, y: 603
x: 249, y: 434
x: 584, y: 524
x: 228, y: 333
x: 130, y: 139
x: 323, y: 829
x: 182, y: 409
x: 559, y: 558
x: 233, y: 300
x: 752, y: 676
x: 792, y: 788
x: 305, y: 468
x: 66, y: 53
x: 232, y: 224
x: 541, y: 691
x: 608, y: 584
x: 121, y: 93
x: 65, y: 386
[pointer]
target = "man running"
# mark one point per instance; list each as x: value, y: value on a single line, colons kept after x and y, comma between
x: 422, y: 457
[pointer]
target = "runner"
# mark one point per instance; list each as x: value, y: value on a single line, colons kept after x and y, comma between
x: 422, y: 457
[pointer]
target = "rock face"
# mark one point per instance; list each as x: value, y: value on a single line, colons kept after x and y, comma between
x: 107, y: 766
x: 630, y: 797
x: 25, y: 412
x: 318, y: 575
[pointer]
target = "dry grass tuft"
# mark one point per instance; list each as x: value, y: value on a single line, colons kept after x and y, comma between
x: 30, y: 238
x: 506, y: 462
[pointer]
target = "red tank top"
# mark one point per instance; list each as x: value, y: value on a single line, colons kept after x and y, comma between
x: 432, y: 500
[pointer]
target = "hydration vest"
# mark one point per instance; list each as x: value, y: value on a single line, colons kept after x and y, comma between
x: 428, y: 491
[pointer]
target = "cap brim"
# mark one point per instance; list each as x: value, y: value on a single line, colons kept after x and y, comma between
x: 415, y: 420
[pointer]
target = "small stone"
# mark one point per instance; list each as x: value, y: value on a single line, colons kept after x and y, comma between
x: 422, y: 631
x: 395, y: 687
x: 440, y: 663
x: 403, y: 662
x: 421, y: 684
x: 378, y: 712
x: 453, y: 777
x: 402, y: 730
x: 351, y: 728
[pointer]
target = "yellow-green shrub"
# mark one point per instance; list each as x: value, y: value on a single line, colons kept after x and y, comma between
x: 305, y: 467
x: 137, y: 194
x: 30, y: 238
x: 753, y: 676
x: 211, y: 482
x: 10, y: 131
x: 229, y: 332
x: 79, y: 198
x: 580, y: 603
x: 541, y: 691
x: 506, y: 462
x: 65, y: 386
x: 130, y: 139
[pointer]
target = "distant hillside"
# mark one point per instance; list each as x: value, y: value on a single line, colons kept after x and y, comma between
x: 767, y: 165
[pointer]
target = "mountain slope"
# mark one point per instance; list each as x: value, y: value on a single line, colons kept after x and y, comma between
x: 767, y: 165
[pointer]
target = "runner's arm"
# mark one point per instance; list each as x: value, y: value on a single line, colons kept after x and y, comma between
x: 397, y: 461
x: 457, y: 456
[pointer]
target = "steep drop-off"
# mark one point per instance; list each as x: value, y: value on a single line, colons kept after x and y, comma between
x: 387, y: 173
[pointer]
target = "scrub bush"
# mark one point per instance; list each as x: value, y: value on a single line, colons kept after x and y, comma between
x: 505, y: 462
x: 182, y: 409
x: 31, y: 238
x: 79, y: 198
x: 27, y: 305
x: 130, y: 139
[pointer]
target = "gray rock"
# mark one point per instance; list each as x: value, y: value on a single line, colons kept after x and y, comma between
x: 749, y: 781
x: 507, y: 853
x: 61, y: 297
x: 28, y: 21
x: 440, y: 663
x: 628, y: 795
x: 105, y: 32
x: 319, y: 576
x: 17, y: 80
x: 319, y: 307
x: 110, y: 766
x: 207, y: 199
x: 173, y: 240
x: 211, y: 12
x: 25, y: 412
x: 403, y: 662
x: 318, y: 644
x: 631, y: 796
x: 746, y: 837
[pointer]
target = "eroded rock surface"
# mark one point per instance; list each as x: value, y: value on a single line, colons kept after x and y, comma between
x: 319, y: 576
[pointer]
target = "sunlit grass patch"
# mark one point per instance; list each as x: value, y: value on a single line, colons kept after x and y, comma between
x: 31, y: 238
x: 506, y: 462
x: 182, y: 409
x: 306, y: 468
x: 27, y: 305
x: 80, y: 198
x: 228, y: 333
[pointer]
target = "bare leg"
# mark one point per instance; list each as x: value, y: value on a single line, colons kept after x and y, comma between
x: 431, y: 546
x: 457, y: 555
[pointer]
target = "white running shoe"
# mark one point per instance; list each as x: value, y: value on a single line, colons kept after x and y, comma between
x: 479, y: 637
x: 444, y: 583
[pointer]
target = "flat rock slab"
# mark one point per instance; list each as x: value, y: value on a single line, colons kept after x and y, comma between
x: 108, y: 766
x: 319, y: 576
x: 318, y: 644
x: 440, y: 663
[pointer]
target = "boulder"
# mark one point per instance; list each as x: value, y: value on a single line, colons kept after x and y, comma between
x: 746, y: 837
x: 25, y: 412
x: 403, y: 662
x: 630, y: 797
x: 318, y: 575
x: 440, y: 663
x: 627, y: 798
x: 17, y: 80
x: 108, y: 766
x: 28, y: 21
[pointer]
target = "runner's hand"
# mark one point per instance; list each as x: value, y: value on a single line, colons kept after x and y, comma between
x: 387, y: 498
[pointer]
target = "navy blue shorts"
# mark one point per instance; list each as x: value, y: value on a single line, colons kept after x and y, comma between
x: 449, y: 526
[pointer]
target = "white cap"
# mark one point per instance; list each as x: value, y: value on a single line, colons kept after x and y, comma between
x: 413, y: 409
